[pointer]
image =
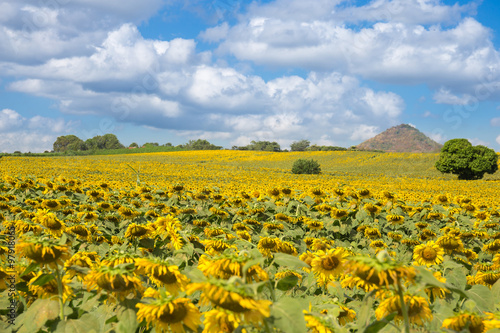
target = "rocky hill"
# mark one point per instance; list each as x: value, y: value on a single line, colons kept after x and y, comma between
x: 401, y: 138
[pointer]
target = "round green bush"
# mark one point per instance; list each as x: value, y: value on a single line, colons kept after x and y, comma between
x: 303, y: 166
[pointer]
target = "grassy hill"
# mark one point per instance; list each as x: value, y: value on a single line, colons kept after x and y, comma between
x: 401, y: 138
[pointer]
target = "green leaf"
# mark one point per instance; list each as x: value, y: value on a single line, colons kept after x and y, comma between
x: 288, y: 261
x: 127, y: 321
x: 482, y: 296
x: 43, y: 279
x: 379, y: 324
x: 88, y: 323
x: 30, y: 269
x: 287, y: 283
x: 288, y: 314
x: 37, y: 315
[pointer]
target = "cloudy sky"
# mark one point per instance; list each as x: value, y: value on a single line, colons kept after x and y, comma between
x: 335, y: 72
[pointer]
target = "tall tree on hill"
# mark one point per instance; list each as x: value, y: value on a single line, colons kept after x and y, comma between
x: 68, y: 143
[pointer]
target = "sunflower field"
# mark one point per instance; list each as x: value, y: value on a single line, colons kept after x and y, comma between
x: 232, y: 241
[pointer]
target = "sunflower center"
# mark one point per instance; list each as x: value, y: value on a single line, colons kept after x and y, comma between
x: 53, y: 224
x: 167, y: 278
x: 174, y: 314
x: 330, y: 263
x: 429, y: 253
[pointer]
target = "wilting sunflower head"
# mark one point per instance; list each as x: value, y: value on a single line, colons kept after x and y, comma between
x: 138, y: 231
x: 471, y: 321
x: 221, y: 321
x: 379, y: 272
x: 118, y: 258
x: 162, y: 273
x: 169, y: 314
x: 49, y: 220
x: 50, y: 288
x: 450, y: 243
x: 233, y: 296
x: 118, y: 280
x: 417, y: 307
x: 487, y: 278
x: 395, y: 219
x: 85, y: 260
x: 43, y: 250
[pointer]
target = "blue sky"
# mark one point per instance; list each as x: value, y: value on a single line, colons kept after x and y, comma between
x: 335, y: 72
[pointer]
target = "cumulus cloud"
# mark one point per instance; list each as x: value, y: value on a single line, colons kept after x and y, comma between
x: 400, y: 42
x: 34, y: 134
x: 498, y: 139
x: 167, y: 84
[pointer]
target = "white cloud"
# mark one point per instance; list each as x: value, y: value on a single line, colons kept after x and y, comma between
x: 437, y: 136
x: 495, y: 121
x: 476, y: 141
x: 498, y: 139
x: 364, y: 132
x: 35, y: 134
x: 444, y: 96
x: 396, y: 44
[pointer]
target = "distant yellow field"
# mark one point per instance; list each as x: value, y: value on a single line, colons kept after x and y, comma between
x: 412, y: 177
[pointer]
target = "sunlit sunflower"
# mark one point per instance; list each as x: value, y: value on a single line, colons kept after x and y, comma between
x: 233, y: 297
x: 169, y: 314
x: 120, y: 280
x: 51, y: 204
x: 50, y: 221
x: 394, y: 236
x: 491, y: 321
x: 315, y: 225
x: 346, y: 315
x: 88, y: 216
x: 428, y: 254
x: 221, y: 321
x: 118, y: 258
x: 127, y: 213
x: 288, y: 273
x: 371, y: 208
x: 492, y: 247
x: 328, y: 265
x: 321, y: 244
x: 372, y: 233
x: 227, y: 265
x: 80, y: 231
x: 307, y: 257
x: 216, y: 246
x: 162, y: 274
x: 417, y: 307
x: 43, y: 250
x: 288, y: 248
x: 272, y: 226
x: 470, y: 321
x: 50, y: 288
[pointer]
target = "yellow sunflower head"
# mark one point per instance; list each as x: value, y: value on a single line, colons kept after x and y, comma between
x: 428, y: 254
x: 43, y: 250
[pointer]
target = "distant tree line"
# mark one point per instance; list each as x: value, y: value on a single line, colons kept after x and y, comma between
x: 73, y: 143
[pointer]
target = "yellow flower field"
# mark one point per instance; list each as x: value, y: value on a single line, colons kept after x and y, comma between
x: 232, y: 241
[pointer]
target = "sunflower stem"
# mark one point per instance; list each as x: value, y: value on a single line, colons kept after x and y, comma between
x: 403, y: 307
x: 60, y: 292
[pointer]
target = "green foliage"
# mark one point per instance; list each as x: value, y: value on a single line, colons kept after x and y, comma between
x: 106, y: 141
x: 261, y: 145
x: 460, y: 157
x: 300, y: 145
x: 303, y: 166
x: 200, y: 144
x: 325, y: 148
x: 68, y: 142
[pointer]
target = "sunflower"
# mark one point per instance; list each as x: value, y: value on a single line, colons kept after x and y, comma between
x: 127, y: 213
x: 317, y: 324
x: 138, y: 231
x: 80, y: 231
x: 268, y: 245
x: 417, y: 307
x: 43, y: 251
x: 395, y: 219
x: 487, y: 278
x: 307, y: 257
x: 338, y: 213
x: 492, y: 247
x: 450, y: 243
x: 221, y: 321
x: 315, y: 225
x: 375, y: 273
x: 169, y: 314
x: 288, y: 248
x: 51, y: 204
x: 394, y: 236
x: 50, y: 288
x: 118, y: 258
x: 81, y: 259
x: 371, y: 208
x: 3, y: 275
x: 470, y: 321
x: 271, y: 226
x: 372, y: 233
x: 216, y: 246
x: 346, y: 315
x: 227, y: 265
x: 321, y: 244
x: 162, y: 274
x: 49, y: 220
x: 119, y: 280
x: 87, y: 216
x: 428, y: 254
x: 436, y: 292
x: 233, y: 297
x: 287, y: 273
x: 328, y: 265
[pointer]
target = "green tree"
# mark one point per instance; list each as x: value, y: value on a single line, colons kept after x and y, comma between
x: 264, y: 146
x: 200, y: 144
x: 134, y: 145
x: 106, y: 141
x: 460, y: 157
x: 300, y: 145
x: 67, y: 143
x: 303, y: 166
